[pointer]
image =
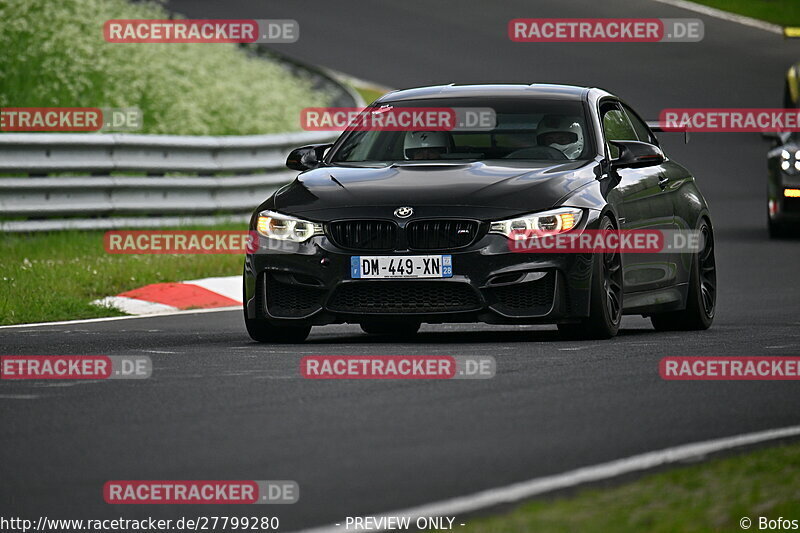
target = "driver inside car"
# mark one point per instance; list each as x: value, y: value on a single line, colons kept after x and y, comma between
x: 423, y: 145
x: 562, y: 133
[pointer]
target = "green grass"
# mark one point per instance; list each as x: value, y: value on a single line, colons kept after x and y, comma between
x: 368, y: 94
x: 54, y: 276
x: 54, y: 55
x: 712, y: 496
x: 782, y: 12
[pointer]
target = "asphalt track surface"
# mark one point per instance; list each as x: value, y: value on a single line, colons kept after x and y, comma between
x: 221, y: 407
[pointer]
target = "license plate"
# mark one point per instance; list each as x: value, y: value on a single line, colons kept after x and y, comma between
x: 406, y: 266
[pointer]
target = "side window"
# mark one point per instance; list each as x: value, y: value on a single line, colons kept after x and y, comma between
x: 616, y: 127
x: 644, y: 133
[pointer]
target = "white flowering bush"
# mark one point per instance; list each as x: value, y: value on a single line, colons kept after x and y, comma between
x: 54, y: 55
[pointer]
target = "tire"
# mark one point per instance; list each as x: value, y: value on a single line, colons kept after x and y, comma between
x: 261, y: 330
x: 701, y: 299
x: 391, y: 329
x: 606, y: 297
x: 777, y: 230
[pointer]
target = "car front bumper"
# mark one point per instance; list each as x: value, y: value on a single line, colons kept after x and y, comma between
x: 311, y: 284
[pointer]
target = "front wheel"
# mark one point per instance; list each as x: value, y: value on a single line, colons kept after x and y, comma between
x: 262, y: 331
x: 701, y: 300
x: 777, y: 230
x: 605, y: 306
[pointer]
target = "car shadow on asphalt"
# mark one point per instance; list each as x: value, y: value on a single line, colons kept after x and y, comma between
x: 466, y: 337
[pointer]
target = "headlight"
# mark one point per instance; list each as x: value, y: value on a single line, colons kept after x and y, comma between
x: 790, y: 161
x: 285, y: 228
x: 548, y: 222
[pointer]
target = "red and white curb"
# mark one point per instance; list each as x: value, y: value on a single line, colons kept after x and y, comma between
x: 206, y: 293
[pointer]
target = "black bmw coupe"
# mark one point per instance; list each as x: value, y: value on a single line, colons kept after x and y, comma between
x: 389, y: 229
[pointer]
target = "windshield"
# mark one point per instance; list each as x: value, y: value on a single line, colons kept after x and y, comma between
x: 524, y: 129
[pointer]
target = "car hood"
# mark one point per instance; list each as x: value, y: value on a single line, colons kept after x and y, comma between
x: 480, y: 190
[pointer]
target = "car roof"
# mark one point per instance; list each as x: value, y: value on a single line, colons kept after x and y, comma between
x: 537, y: 90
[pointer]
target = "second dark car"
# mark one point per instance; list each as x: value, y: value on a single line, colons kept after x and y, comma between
x: 390, y: 229
x: 783, y: 185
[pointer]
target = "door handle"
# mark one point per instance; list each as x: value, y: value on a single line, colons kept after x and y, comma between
x: 662, y: 182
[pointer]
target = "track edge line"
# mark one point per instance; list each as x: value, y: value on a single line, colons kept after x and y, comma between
x: 537, y: 486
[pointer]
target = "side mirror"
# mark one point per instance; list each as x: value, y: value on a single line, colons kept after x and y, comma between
x: 307, y: 157
x: 635, y: 154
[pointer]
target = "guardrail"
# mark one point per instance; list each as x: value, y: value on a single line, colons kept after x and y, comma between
x: 183, y: 180
x: 252, y: 168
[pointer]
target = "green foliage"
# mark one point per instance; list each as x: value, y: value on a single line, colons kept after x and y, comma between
x: 54, y: 55
x: 55, y: 276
